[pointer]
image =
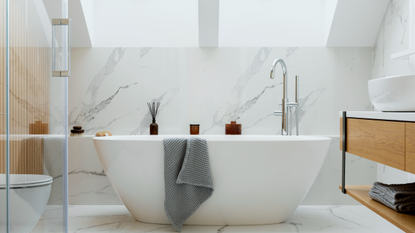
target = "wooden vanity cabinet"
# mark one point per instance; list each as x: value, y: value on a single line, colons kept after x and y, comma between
x: 410, y: 148
x: 391, y: 143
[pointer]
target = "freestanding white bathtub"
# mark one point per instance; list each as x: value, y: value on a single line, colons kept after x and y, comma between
x: 257, y: 179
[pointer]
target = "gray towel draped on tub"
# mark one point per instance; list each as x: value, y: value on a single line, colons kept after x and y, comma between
x: 187, y: 178
x: 399, y: 197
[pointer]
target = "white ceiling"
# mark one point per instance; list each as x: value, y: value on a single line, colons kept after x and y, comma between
x: 225, y: 23
x: 356, y: 26
x: 271, y: 23
x: 82, y: 22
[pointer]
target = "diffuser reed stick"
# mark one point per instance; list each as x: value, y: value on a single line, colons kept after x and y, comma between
x: 153, y: 107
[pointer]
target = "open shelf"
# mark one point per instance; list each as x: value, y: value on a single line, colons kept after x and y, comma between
x: 403, y: 54
x: 405, y: 222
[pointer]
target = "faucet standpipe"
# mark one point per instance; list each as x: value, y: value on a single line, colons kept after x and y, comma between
x: 287, y: 107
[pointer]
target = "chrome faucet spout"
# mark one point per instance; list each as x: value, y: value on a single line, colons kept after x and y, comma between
x: 284, y: 73
x: 286, y: 116
x: 283, y: 66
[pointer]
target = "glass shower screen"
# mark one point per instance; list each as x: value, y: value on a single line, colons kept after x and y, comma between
x: 39, y: 64
x: 3, y: 130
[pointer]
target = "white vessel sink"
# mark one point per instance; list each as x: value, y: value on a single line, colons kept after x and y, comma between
x: 393, y: 94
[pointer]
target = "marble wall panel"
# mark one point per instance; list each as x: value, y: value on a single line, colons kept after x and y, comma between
x: 394, y: 36
x: 110, y: 87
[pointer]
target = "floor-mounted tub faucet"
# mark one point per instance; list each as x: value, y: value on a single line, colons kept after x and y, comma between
x: 287, y: 107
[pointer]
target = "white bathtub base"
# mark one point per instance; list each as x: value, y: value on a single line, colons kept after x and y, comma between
x: 257, y: 179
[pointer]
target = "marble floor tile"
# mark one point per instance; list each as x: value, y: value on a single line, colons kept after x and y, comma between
x: 337, y: 219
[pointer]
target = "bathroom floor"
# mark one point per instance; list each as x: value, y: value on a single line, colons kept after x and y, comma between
x: 344, y: 219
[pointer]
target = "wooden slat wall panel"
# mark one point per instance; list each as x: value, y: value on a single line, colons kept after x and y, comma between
x: 30, y: 61
x: 2, y: 85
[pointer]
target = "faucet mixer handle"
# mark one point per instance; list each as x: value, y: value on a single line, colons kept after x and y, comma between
x: 277, y: 113
x: 291, y: 104
x: 297, y: 89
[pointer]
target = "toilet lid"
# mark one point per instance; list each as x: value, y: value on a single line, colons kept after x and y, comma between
x: 25, y: 180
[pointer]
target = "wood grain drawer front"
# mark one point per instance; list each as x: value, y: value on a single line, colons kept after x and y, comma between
x: 410, y: 147
x: 379, y: 141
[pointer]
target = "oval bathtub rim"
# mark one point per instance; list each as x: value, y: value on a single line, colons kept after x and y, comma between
x: 218, y: 138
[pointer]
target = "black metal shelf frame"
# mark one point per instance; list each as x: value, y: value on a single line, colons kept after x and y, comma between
x: 344, y: 141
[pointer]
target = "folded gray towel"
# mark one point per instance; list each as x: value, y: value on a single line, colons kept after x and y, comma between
x: 399, y: 197
x: 187, y: 178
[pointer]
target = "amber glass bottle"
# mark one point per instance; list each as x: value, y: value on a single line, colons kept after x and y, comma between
x: 154, y: 127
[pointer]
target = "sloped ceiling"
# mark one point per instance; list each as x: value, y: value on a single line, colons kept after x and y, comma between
x: 225, y: 23
x: 356, y: 23
x: 81, y: 14
x: 271, y: 23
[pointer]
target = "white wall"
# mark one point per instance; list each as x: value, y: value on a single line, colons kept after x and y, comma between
x: 134, y: 23
x: 240, y: 23
x: 88, y: 9
x: 213, y: 87
x: 109, y: 89
x: 110, y: 86
x: 329, y: 11
x: 271, y: 23
x: 356, y: 23
x: 393, y: 36
x: 165, y: 23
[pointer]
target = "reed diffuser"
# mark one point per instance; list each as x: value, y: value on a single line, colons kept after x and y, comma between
x: 154, y: 108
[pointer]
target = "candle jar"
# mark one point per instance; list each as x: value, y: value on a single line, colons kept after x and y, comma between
x: 194, y: 129
x: 233, y: 128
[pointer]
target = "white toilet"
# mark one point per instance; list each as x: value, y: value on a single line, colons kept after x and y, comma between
x: 29, y: 195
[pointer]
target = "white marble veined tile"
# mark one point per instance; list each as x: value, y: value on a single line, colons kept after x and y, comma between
x: 110, y: 87
x: 91, y: 189
x: 162, y: 80
x: 101, y: 82
x: 88, y: 183
x: 334, y: 219
x: 390, y: 175
x: 51, y: 220
x: 393, y: 36
x: 325, y: 191
x: 245, y: 92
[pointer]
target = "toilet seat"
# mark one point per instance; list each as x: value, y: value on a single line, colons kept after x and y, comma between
x: 25, y: 180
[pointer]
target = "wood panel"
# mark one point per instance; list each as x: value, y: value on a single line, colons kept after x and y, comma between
x: 406, y: 222
x: 38, y: 128
x: 379, y: 141
x: 29, y: 157
x: 410, y: 148
x: 30, y: 72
